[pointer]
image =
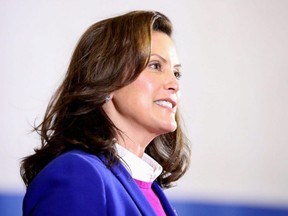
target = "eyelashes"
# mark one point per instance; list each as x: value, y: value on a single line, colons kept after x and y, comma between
x: 155, y: 65
x: 177, y: 74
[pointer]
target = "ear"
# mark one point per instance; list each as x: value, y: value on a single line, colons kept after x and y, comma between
x: 108, y: 105
x: 108, y: 98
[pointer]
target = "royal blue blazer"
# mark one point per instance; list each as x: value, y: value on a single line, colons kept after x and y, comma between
x: 79, y: 183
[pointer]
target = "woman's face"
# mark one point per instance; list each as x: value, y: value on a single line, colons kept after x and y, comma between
x: 148, y: 104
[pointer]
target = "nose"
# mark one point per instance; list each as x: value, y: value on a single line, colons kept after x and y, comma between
x: 172, y: 83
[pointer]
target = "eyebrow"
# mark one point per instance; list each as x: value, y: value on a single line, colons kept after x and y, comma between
x: 165, y: 61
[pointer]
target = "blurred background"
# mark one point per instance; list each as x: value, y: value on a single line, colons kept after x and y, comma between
x: 234, y: 94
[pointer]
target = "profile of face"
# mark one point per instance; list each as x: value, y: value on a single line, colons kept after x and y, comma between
x: 148, y: 104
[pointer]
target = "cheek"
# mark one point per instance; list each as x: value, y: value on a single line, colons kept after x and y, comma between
x: 142, y: 93
x: 147, y: 85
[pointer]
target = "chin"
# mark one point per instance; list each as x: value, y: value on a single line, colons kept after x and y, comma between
x: 171, y: 127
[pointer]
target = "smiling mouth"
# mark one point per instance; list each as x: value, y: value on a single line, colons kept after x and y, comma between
x: 164, y: 103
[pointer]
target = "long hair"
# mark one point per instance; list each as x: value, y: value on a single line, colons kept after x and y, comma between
x: 109, y: 55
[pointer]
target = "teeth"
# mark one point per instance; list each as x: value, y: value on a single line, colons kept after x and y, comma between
x: 164, y: 103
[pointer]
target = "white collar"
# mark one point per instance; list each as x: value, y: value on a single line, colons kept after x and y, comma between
x: 144, y: 169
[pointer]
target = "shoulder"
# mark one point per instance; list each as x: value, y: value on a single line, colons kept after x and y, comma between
x: 74, y: 178
x: 76, y: 159
x: 74, y: 166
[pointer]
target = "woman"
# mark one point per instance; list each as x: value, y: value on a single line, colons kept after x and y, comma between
x: 111, y: 136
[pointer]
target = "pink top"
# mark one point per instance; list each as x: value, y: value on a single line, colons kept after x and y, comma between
x: 146, y: 188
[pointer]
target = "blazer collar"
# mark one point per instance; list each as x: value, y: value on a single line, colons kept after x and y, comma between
x: 134, y: 191
x: 136, y: 194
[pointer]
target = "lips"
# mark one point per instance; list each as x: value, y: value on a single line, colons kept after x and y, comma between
x: 167, y: 103
x: 164, y: 103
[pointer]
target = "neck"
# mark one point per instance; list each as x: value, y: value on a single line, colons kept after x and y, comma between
x: 135, y: 144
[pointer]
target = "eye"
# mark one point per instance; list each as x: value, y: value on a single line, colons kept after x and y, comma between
x: 155, y: 66
x: 177, y: 74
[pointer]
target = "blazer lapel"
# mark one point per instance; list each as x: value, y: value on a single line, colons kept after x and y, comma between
x: 136, y: 194
x: 133, y: 190
x: 163, y: 199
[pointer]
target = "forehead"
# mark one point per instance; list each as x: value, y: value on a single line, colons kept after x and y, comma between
x: 164, y: 46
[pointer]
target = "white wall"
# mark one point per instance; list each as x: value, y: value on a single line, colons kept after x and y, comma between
x: 234, y: 87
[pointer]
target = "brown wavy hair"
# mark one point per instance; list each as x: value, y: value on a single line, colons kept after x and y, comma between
x: 109, y: 55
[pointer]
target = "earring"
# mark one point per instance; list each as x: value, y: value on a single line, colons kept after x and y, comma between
x: 107, y: 98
